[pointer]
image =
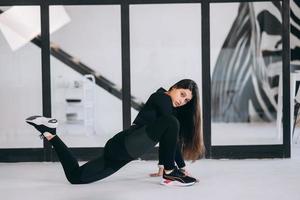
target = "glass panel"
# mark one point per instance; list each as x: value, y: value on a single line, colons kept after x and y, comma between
x: 21, y: 76
x: 164, y: 48
x: 295, y: 70
x: 246, y: 69
x: 88, y: 114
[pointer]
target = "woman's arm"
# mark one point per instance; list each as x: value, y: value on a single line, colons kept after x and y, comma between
x: 160, y: 163
x: 178, y: 156
x: 179, y: 159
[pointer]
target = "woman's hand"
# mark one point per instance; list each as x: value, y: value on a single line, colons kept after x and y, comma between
x: 159, y: 173
x: 186, y: 172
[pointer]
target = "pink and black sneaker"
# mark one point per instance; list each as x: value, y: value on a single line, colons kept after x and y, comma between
x: 177, y: 178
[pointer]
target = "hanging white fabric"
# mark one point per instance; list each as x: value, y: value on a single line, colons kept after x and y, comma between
x: 20, y: 24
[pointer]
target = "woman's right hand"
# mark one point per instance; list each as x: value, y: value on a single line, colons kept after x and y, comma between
x: 159, y: 173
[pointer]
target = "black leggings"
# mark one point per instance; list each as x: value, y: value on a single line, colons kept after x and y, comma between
x: 120, y: 150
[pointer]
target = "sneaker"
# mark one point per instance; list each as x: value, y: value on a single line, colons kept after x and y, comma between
x: 177, y: 178
x: 43, y: 124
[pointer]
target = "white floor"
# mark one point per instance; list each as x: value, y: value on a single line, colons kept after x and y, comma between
x: 219, y: 179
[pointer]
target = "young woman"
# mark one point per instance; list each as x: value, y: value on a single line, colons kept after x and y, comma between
x: 171, y: 118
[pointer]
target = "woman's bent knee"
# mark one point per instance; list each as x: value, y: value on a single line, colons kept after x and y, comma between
x: 73, y: 178
x: 75, y: 181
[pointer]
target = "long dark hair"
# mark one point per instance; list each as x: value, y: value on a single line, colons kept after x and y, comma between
x: 189, y: 116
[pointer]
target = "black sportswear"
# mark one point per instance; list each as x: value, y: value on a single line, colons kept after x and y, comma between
x: 158, y: 104
x: 155, y: 123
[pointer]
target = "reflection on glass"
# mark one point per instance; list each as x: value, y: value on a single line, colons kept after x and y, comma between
x: 164, y: 48
x: 246, y: 73
x: 89, y: 44
x: 21, y: 79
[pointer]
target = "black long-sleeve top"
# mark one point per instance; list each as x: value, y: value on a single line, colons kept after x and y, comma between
x: 159, y: 104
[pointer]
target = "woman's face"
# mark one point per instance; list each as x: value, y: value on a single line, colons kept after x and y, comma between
x: 180, y: 96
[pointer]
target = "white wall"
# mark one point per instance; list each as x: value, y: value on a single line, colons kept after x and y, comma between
x: 165, y: 43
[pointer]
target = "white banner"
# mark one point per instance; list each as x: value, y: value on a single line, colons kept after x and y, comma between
x: 20, y: 24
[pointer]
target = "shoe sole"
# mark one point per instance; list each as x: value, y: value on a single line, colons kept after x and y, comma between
x: 40, y: 120
x: 167, y: 182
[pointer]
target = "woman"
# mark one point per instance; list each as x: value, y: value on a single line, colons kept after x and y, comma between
x: 171, y: 118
